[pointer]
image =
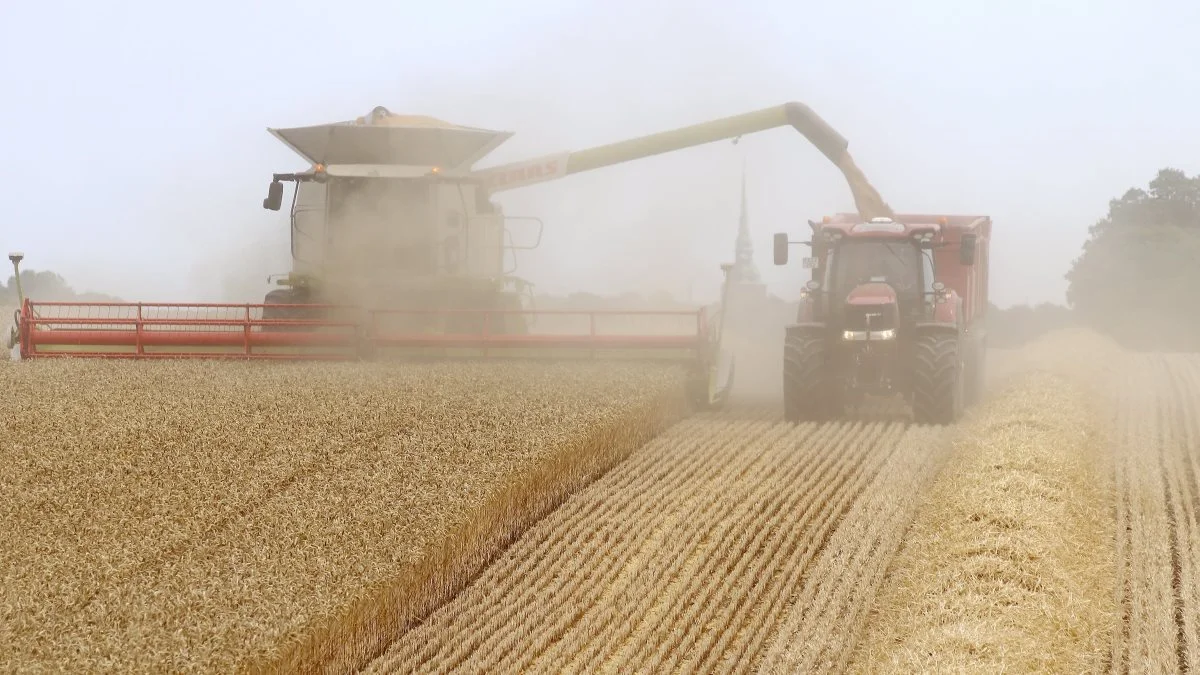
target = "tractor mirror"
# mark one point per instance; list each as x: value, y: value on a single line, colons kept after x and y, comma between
x: 966, y: 250
x: 781, y: 248
x: 274, y: 196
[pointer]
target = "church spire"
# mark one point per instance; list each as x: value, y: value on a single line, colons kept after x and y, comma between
x: 744, y: 270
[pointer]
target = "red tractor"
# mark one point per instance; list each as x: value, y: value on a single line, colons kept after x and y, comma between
x: 895, y: 306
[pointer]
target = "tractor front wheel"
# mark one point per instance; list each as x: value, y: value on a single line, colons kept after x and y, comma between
x: 937, y: 380
x: 808, y: 391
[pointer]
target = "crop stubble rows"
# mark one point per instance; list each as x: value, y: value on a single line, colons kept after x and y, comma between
x: 681, y: 559
x: 182, y: 516
x: 686, y: 556
x: 1158, y: 534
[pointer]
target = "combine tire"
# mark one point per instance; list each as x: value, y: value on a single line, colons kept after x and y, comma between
x: 286, y: 296
x: 808, y: 392
x: 937, y: 396
x: 697, y: 388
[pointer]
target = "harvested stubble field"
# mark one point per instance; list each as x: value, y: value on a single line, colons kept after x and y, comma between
x: 1158, y: 515
x: 165, y: 517
x: 1056, y: 529
x: 735, y: 543
x: 1000, y: 568
x: 687, y: 556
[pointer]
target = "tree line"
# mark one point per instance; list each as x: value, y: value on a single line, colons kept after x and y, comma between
x: 46, y: 286
x: 1139, y: 272
x: 1136, y: 277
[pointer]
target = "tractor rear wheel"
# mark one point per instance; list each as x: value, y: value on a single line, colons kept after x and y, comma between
x: 808, y: 391
x: 937, y: 380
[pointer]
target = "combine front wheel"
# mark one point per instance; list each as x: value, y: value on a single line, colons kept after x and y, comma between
x: 937, y: 382
x: 286, y: 296
x: 808, y: 393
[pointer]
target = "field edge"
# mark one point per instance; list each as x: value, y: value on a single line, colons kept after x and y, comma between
x: 348, y: 641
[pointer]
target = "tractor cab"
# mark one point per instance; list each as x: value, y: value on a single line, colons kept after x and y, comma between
x: 872, y: 283
x: 870, y: 275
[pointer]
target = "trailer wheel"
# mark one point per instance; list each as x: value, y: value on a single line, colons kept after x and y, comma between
x: 808, y: 394
x: 974, y: 373
x: 937, y: 396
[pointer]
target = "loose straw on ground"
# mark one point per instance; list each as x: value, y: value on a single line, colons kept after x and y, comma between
x: 1009, y: 564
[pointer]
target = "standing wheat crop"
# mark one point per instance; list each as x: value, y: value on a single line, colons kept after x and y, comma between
x: 168, y: 517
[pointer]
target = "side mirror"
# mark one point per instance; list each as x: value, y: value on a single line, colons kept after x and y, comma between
x: 274, y: 196
x: 966, y: 250
x: 781, y: 248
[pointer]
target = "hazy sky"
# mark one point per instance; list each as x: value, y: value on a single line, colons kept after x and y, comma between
x: 137, y: 155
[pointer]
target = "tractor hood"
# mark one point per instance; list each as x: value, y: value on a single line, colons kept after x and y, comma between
x: 404, y: 140
x: 871, y: 295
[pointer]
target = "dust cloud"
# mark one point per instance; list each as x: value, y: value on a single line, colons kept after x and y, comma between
x: 656, y: 227
x: 660, y: 224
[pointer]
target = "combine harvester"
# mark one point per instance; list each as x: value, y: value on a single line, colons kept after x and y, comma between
x: 895, y: 306
x: 398, y: 251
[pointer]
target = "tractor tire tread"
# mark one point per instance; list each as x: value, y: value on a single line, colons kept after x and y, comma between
x: 806, y: 390
x: 938, y: 390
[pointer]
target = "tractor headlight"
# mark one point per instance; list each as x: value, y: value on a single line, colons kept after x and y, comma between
x: 862, y: 335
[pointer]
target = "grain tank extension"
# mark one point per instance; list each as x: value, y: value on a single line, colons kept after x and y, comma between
x: 894, y: 307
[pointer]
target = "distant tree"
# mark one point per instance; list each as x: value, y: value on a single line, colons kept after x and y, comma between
x: 46, y: 286
x: 583, y: 300
x: 43, y: 285
x: 661, y: 300
x: 1138, y: 276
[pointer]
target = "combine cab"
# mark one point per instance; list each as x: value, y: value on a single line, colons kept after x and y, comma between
x: 399, y: 251
x: 895, y: 307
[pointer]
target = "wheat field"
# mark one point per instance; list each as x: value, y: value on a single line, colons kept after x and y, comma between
x: 535, y: 518
x: 211, y: 516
